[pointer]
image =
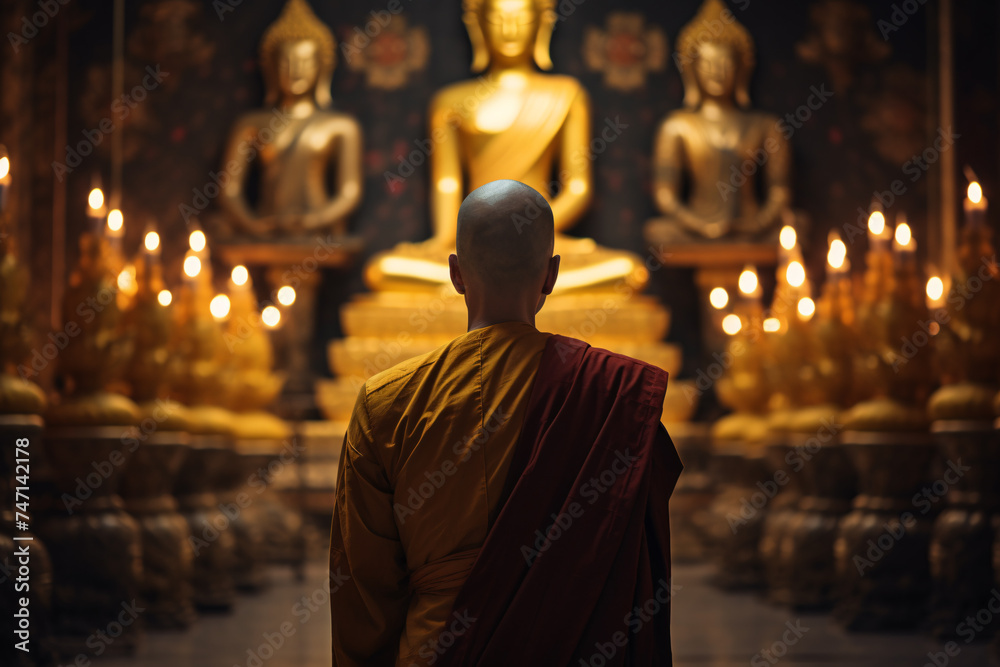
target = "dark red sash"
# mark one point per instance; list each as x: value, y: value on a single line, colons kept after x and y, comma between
x: 576, y: 569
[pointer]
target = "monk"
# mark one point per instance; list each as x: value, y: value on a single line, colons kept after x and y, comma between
x: 502, y: 500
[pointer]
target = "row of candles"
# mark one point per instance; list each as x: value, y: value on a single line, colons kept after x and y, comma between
x: 112, y: 225
x: 792, y: 271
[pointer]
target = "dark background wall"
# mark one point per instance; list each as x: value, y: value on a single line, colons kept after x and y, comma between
x: 856, y: 143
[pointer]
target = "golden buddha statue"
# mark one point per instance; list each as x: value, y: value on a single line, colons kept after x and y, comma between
x: 299, y: 142
x: 716, y: 146
x: 513, y: 122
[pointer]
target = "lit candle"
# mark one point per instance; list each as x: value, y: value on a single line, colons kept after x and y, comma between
x: 116, y: 229
x: 903, y: 245
x: 878, y: 238
x: 4, y: 179
x: 748, y: 283
x: 95, y: 206
x: 151, y: 242
x: 192, y: 267
x: 935, y: 294
x: 240, y: 278
x: 975, y: 205
x: 787, y: 241
x: 837, y: 264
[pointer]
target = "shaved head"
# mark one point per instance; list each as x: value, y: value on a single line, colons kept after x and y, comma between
x: 505, y: 235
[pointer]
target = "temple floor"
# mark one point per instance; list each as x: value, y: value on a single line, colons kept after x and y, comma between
x: 711, y: 628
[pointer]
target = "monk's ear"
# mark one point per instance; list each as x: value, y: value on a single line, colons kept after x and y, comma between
x: 551, y: 275
x: 456, y: 274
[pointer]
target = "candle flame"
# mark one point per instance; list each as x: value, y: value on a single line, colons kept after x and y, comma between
x: 795, y: 274
x: 975, y: 192
x: 903, y: 234
x: 197, y: 240
x: 718, y: 297
x: 935, y: 288
x: 837, y: 254
x: 192, y: 266
x: 164, y: 297
x: 731, y: 324
x: 748, y: 280
x: 115, y: 220
x: 271, y: 316
x: 240, y: 275
x: 787, y: 237
x: 219, y: 306
x: 4, y: 166
x: 286, y: 295
x: 772, y: 325
x: 876, y: 223
x: 152, y: 241
x: 806, y: 307
x: 95, y: 199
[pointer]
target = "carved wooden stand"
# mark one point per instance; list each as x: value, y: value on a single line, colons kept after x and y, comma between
x: 243, y: 487
x: 167, y: 556
x: 734, y: 524
x: 199, y: 482
x: 780, y: 516
x: 962, y: 542
x: 693, y: 495
x: 882, y: 546
x: 95, y: 545
x: 829, y: 485
x: 40, y: 650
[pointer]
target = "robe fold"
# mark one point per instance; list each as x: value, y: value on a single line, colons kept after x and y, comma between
x: 576, y: 569
x: 503, y: 500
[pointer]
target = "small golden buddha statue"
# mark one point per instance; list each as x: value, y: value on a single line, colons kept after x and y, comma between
x: 716, y: 149
x: 513, y: 122
x: 299, y: 142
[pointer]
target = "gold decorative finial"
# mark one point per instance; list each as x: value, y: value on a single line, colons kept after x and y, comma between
x: 715, y: 24
x: 296, y: 23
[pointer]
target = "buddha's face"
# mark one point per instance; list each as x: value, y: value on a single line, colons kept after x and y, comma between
x: 509, y: 26
x: 298, y: 67
x: 715, y: 70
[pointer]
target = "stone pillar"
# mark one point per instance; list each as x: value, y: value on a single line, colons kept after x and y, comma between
x: 14, y: 430
x: 882, y: 545
x: 199, y: 482
x: 167, y: 555
x: 961, y: 550
x: 95, y: 545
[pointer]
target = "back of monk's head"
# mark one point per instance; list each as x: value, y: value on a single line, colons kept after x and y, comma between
x: 505, y: 236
